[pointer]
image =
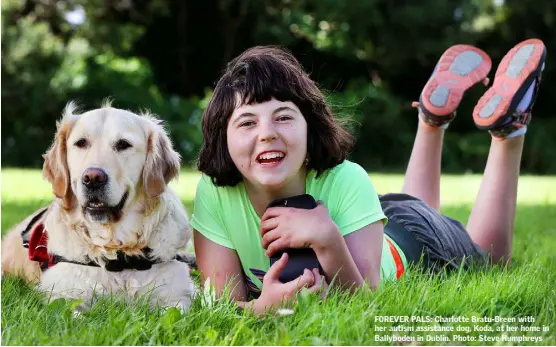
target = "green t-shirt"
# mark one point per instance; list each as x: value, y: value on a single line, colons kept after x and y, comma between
x: 226, y: 216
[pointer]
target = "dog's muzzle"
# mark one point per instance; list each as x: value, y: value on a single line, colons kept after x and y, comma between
x: 95, y: 182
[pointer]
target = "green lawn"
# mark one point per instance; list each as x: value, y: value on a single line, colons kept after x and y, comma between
x: 525, y: 290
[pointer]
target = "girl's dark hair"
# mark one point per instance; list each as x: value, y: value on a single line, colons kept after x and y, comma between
x: 258, y: 75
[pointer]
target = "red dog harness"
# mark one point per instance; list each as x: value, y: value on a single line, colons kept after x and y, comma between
x: 35, y: 239
x: 38, y: 247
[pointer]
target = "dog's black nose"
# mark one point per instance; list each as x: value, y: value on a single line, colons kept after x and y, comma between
x: 94, y: 178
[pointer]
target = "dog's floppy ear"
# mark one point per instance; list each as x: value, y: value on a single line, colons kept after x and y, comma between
x: 55, y: 168
x: 163, y: 163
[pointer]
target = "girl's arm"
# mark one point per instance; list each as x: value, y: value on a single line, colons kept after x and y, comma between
x: 221, y: 265
x: 351, y: 260
x: 355, y: 258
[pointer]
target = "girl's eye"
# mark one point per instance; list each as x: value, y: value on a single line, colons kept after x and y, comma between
x: 247, y: 124
x: 284, y: 118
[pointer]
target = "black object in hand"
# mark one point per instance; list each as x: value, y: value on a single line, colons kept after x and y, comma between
x: 299, y: 259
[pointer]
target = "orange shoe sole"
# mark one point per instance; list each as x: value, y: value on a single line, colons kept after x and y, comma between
x: 459, y: 68
x: 517, y: 70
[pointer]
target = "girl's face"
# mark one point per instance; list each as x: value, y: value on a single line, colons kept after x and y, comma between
x: 268, y: 143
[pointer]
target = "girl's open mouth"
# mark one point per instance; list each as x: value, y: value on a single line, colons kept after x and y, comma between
x: 269, y: 158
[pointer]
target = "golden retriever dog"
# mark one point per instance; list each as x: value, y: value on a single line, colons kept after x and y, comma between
x: 115, y: 226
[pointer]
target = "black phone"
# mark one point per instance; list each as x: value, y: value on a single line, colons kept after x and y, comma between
x: 299, y: 259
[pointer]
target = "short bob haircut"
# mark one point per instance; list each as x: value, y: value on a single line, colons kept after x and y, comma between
x: 256, y: 76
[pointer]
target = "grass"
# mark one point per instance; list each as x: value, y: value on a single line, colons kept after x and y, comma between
x: 524, y: 290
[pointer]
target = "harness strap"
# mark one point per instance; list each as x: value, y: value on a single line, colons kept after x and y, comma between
x: 27, y: 229
x: 55, y: 259
x: 117, y: 265
x: 123, y: 261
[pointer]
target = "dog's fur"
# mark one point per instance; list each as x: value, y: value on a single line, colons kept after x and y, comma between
x: 152, y: 215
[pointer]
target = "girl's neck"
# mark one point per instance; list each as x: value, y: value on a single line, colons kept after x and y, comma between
x: 261, y: 196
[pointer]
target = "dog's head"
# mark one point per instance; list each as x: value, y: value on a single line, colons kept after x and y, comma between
x: 104, y: 159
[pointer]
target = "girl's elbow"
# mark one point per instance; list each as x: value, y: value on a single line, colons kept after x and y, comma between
x: 374, y: 283
x: 371, y: 277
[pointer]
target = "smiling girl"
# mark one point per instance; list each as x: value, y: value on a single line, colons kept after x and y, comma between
x: 269, y: 134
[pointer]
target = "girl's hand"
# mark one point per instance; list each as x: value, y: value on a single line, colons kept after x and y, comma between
x: 320, y: 286
x: 286, y: 227
x: 275, y: 292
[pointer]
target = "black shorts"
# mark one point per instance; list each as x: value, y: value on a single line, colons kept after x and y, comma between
x: 425, y: 235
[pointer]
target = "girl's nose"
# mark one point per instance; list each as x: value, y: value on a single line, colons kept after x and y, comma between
x: 267, y: 132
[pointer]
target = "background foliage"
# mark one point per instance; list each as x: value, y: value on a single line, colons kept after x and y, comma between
x: 372, y: 57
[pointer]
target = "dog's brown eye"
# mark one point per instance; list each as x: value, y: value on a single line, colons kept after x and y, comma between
x: 81, y: 143
x: 122, y: 145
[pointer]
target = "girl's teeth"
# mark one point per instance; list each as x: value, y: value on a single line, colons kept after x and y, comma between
x: 271, y: 156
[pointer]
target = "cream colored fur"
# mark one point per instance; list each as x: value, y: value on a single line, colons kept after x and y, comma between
x: 15, y: 258
x: 152, y: 216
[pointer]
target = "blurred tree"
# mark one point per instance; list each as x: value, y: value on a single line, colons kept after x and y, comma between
x: 57, y: 51
x: 371, y: 56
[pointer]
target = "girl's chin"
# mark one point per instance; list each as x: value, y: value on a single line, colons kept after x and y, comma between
x: 271, y: 184
x: 278, y: 179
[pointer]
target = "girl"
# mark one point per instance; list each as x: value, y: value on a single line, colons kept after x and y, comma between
x: 269, y: 134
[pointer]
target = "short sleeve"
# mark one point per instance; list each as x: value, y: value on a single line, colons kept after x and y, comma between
x: 355, y: 199
x: 207, y: 218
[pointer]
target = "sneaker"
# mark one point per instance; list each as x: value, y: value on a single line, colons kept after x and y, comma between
x: 505, y: 108
x: 459, y: 68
